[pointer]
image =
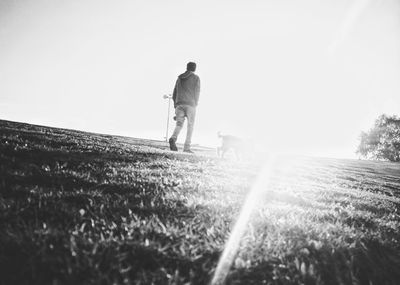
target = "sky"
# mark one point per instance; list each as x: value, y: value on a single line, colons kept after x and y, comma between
x: 295, y: 76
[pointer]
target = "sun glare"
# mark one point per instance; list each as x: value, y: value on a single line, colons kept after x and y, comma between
x: 265, y: 70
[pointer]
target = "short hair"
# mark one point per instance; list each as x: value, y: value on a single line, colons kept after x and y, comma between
x: 191, y: 66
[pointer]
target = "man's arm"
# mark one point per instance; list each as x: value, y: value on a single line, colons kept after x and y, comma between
x: 174, y: 93
x: 197, y: 91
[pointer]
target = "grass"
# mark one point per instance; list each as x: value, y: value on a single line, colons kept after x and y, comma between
x: 87, y: 208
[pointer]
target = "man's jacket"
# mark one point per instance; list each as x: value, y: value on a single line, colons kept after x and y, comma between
x: 187, y: 89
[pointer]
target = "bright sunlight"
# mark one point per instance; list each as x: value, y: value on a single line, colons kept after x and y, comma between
x: 298, y: 77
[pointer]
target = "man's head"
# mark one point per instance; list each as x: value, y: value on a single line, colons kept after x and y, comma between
x: 191, y: 66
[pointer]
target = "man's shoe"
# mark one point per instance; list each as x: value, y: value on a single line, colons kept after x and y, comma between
x: 188, y: 151
x: 172, y: 145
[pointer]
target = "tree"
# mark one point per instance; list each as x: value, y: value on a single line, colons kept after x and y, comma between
x: 383, y: 140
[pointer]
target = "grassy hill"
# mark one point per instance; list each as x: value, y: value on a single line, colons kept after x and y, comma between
x: 84, y: 208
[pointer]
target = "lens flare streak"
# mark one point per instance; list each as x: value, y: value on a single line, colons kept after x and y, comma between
x: 353, y: 14
x: 259, y: 188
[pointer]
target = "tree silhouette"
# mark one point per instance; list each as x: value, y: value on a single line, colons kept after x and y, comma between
x: 383, y: 140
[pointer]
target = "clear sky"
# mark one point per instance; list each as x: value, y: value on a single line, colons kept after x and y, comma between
x: 299, y: 76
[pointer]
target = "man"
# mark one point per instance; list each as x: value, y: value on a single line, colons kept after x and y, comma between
x: 185, y: 96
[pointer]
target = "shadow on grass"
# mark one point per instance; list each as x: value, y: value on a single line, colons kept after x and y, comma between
x: 61, y: 225
x: 369, y: 262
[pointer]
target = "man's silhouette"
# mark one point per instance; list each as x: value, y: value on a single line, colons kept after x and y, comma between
x: 185, y: 96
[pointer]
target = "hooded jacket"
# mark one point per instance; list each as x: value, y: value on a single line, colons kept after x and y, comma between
x: 187, y: 89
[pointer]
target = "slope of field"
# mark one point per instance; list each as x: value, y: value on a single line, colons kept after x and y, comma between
x: 83, y: 208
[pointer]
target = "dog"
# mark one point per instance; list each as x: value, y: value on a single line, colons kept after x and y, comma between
x: 241, y: 148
